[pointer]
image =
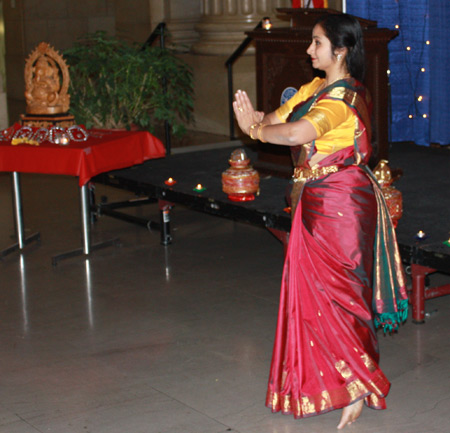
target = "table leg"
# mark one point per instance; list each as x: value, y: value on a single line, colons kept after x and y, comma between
x: 85, y: 231
x: 85, y: 218
x: 164, y: 209
x: 17, y: 205
x: 22, y: 241
x: 418, y: 292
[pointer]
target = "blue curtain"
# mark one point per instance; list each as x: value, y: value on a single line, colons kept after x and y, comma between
x: 419, y: 64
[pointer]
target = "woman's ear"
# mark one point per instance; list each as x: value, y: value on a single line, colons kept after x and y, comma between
x: 340, y: 54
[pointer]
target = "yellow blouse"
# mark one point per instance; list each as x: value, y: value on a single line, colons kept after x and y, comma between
x: 333, y: 120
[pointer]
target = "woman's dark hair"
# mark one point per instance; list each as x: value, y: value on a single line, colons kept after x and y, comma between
x: 344, y: 31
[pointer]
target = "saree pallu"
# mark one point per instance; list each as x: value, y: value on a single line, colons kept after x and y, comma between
x: 326, y: 354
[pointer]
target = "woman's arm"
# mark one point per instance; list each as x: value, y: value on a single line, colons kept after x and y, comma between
x: 269, y: 127
x: 271, y: 119
x: 287, y: 134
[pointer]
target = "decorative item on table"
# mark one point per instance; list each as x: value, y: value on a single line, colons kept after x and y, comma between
x: 170, y: 181
x: 266, y: 24
x: 421, y: 235
x: 391, y: 194
x: 18, y: 134
x: 24, y: 140
x: 46, y: 89
x: 241, y: 180
x: 199, y: 188
x: 59, y: 136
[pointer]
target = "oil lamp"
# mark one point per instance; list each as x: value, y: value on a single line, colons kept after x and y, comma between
x: 267, y: 25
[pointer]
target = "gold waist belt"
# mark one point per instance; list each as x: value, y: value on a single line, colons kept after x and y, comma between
x: 304, y: 174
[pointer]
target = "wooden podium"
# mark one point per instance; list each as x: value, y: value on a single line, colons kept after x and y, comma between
x: 282, y: 62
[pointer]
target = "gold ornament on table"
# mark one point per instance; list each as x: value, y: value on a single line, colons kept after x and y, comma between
x: 391, y: 194
x: 46, y: 89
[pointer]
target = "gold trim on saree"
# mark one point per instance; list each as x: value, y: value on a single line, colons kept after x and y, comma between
x: 355, y: 100
x: 368, y: 362
x: 372, y: 390
x: 343, y: 369
x: 320, y: 119
x: 304, y: 174
x: 324, y: 401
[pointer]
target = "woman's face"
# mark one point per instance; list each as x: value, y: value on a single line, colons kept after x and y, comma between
x: 320, y: 50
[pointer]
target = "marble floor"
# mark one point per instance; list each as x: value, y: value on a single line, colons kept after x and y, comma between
x: 142, y: 338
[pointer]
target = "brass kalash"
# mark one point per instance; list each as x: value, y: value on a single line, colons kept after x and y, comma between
x: 46, y: 89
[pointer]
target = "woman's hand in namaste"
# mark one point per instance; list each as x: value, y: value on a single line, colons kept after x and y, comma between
x: 246, y: 115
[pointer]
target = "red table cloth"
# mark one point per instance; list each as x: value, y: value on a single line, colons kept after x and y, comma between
x: 104, y: 150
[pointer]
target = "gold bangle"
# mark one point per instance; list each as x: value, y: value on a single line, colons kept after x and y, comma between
x: 259, y: 132
x: 251, y: 130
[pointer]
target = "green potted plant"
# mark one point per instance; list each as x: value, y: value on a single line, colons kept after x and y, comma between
x: 118, y: 85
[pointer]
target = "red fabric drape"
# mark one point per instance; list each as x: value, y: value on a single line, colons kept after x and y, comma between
x: 314, y: 3
x: 102, y: 151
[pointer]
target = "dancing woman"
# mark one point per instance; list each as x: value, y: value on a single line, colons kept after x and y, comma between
x: 342, y: 276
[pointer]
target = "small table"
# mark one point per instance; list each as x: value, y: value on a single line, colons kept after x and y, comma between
x: 104, y: 150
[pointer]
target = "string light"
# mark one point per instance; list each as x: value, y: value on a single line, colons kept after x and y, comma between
x: 415, y: 56
x: 415, y: 110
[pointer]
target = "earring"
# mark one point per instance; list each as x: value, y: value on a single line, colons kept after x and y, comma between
x: 339, y: 57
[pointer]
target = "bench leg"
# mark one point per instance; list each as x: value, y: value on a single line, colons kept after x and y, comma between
x: 418, y: 274
x: 164, y: 208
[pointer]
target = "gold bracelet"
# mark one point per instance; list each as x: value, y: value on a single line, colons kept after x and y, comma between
x: 251, y: 130
x: 259, y: 132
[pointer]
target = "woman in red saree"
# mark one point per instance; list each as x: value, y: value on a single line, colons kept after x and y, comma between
x: 342, y: 276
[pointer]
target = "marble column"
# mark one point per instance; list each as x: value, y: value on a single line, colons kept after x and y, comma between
x: 181, y: 18
x: 223, y: 23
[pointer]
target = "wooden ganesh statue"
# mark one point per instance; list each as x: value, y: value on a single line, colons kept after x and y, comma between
x: 46, y: 89
x: 44, y: 92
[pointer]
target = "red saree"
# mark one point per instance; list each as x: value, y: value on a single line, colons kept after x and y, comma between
x: 342, y: 277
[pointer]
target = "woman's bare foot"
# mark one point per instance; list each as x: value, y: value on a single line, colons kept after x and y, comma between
x: 350, y: 414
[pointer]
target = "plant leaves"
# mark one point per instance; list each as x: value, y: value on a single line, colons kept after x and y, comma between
x: 118, y: 85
